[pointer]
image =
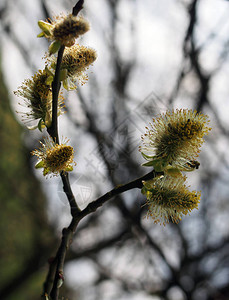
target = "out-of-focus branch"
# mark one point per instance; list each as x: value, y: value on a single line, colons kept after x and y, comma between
x: 45, y: 9
x: 29, y: 268
x: 99, y: 246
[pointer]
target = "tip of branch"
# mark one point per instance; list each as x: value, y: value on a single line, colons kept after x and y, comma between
x: 77, y: 8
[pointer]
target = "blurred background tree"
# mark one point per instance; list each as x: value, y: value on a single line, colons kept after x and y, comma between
x: 26, y: 235
x: 152, y: 55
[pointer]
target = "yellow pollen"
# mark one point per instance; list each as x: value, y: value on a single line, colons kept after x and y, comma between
x: 58, y: 156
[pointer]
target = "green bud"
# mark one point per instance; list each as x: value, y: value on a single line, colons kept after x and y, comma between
x: 46, y: 171
x: 69, y: 169
x: 39, y: 164
x: 45, y: 27
x: 148, y: 164
x: 158, y: 164
x: 147, y: 157
x: 49, y: 80
x: 41, y: 125
x: 41, y: 34
x: 54, y: 47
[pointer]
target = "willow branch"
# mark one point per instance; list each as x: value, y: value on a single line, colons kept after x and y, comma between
x: 53, y: 129
x: 137, y: 183
x: 68, y: 191
x: 56, y: 268
x: 50, y: 277
x: 68, y: 233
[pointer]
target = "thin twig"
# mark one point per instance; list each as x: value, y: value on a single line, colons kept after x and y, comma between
x: 137, y: 183
x: 61, y: 253
x: 50, y: 277
x: 68, y: 191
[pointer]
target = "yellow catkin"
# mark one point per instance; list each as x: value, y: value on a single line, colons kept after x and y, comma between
x: 168, y: 198
x: 67, y: 28
x: 76, y: 60
x: 37, y: 96
x: 175, y: 137
x: 64, y: 29
x: 53, y: 157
